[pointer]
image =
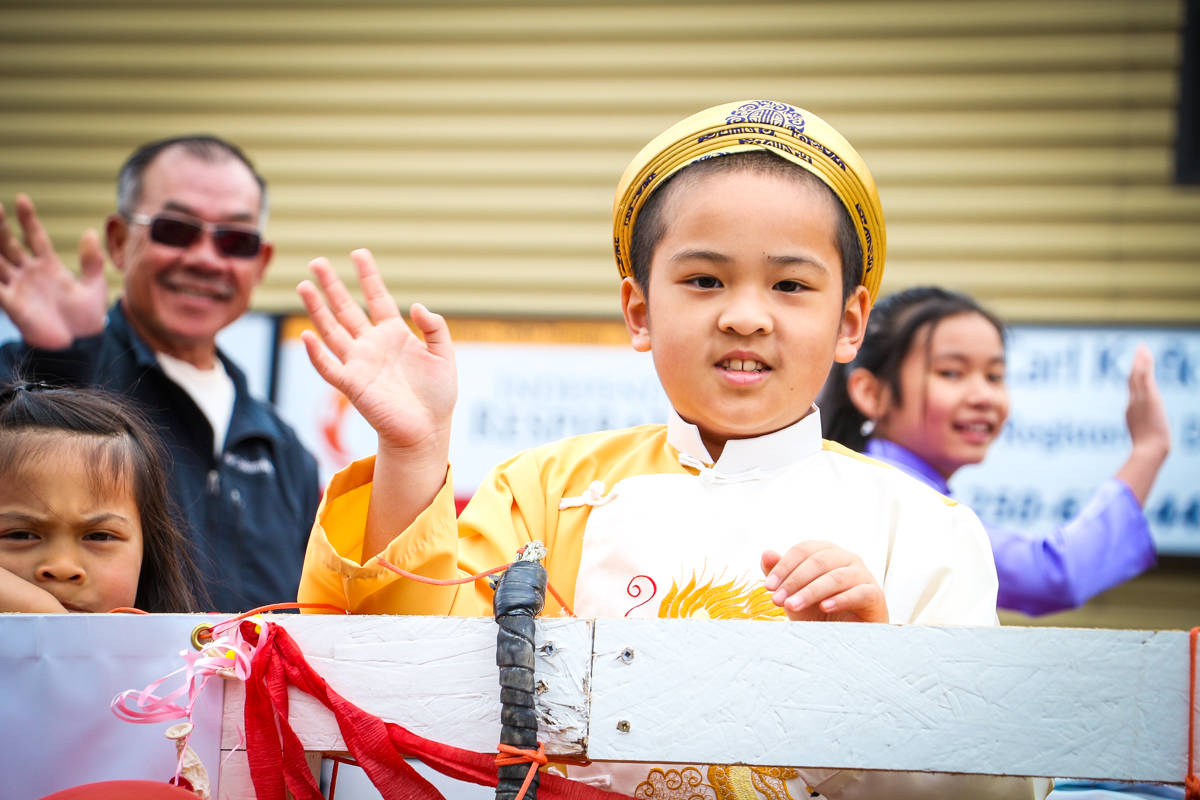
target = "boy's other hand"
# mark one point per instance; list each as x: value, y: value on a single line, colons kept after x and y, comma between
x: 819, y: 581
x: 405, y: 387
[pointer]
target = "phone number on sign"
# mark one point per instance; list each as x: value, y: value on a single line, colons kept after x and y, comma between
x: 1168, y: 514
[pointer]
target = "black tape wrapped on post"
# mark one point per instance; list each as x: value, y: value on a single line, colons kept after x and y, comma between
x: 520, y: 597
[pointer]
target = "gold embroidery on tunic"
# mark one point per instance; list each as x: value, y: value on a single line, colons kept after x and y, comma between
x: 729, y: 600
x: 685, y: 784
x: 736, y: 782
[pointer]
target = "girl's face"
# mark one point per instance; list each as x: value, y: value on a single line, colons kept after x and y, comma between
x: 63, y: 530
x: 954, y: 400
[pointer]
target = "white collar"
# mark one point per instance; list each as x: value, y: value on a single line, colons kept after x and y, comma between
x: 764, y: 453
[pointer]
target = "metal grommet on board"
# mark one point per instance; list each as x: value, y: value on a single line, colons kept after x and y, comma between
x: 202, y: 628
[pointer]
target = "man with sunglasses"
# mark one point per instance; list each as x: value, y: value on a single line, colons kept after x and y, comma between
x: 187, y: 241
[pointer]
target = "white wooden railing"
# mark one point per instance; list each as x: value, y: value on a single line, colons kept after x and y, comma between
x: 1100, y: 704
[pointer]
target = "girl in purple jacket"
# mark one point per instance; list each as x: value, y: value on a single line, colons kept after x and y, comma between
x: 927, y: 394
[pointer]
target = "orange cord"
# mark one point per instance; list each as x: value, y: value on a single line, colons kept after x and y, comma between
x: 438, y: 581
x: 333, y: 779
x: 514, y: 755
x: 1191, y: 784
x: 468, y: 579
x: 252, y: 612
x: 337, y: 762
x: 282, y: 606
x: 558, y: 597
x: 207, y: 634
x: 507, y: 755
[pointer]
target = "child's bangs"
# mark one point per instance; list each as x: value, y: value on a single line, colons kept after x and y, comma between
x: 109, y: 459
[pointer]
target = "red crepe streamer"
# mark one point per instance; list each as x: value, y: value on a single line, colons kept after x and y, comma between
x: 276, y: 755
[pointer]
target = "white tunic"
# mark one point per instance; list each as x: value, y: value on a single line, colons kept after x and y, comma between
x: 641, y: 523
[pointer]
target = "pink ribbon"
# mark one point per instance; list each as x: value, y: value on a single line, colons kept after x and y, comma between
x: 228, y: 655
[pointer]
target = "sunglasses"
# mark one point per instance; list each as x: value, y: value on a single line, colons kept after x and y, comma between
x: 173, y: 231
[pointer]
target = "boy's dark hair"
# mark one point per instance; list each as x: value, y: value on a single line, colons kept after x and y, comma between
x: 650, y: 227
x: 891, y: 331
x: 202, y: 146
x: 32, y: 415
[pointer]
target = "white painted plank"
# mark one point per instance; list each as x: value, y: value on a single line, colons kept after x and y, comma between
x: 1082, y: 703
x: 435, y: 676
x: 235, y: 782
x: 1019, y: 701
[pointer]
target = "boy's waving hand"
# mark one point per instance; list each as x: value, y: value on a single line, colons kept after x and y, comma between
x: 404, y: 386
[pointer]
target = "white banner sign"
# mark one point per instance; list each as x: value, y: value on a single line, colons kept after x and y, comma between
x: 1066, y: 433
x: 510, y: 397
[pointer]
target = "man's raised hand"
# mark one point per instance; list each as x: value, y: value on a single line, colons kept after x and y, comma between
x: 50, y: 306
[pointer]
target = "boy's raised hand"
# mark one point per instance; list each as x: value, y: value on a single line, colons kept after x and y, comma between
x: 819, y: 581
x: 403, y: 386
x: 50, y: 306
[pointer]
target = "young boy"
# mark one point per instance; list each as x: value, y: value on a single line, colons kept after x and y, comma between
x: 750, y: 242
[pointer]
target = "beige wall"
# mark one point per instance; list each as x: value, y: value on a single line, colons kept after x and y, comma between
x: 1166, y: 597
x: 1023, y: 148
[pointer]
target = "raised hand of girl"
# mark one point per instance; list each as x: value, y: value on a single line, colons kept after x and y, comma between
x: 1149, y: 429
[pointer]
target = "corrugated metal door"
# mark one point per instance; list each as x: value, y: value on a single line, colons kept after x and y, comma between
x: 1023, y: 148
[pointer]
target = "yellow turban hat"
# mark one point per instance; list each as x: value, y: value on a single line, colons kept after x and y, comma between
x: 790, y: 132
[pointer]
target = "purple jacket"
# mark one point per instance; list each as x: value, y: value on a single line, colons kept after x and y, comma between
x: 1107, y: 543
